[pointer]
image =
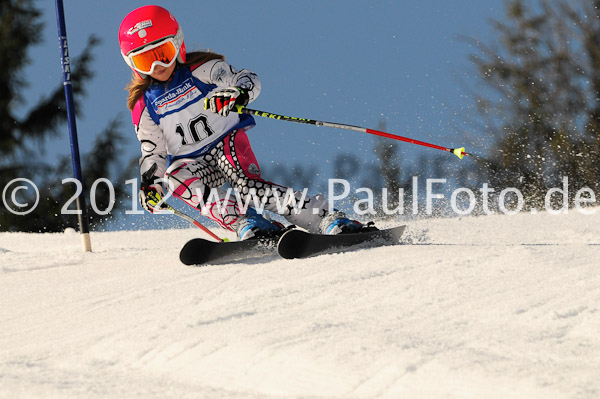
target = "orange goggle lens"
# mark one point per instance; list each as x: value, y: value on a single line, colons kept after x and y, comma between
x: 164, y: 53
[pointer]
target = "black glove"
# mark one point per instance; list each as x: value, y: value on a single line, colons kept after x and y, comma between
x: 224, y: 100
x: 150, y: 197
x: 151, y: 190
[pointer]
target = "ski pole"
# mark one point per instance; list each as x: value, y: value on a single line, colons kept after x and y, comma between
x: 459, y: 152
x: 187, y: 217
x: 195, y: 223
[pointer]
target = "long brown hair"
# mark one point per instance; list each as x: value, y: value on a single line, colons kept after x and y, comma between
x: 137, y: 86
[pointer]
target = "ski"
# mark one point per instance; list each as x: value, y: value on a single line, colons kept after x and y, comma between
x: 300, y: 244
x: 199, y: 251
x: 294, y: 243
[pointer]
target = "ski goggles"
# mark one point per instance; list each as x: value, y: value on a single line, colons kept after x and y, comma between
x: 162, y: 53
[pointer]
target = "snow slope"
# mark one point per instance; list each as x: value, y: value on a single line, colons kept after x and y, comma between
x: 480, y: 307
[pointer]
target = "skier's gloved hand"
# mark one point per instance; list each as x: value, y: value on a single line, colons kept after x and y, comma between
x: 150, y: 197
x: 224, y: 100
x: 151, y: 190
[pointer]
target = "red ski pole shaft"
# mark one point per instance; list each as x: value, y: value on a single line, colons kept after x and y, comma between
x: 166, y: 208
x: 195, y: 223
x: 459, y: 152
x: 412, y: 141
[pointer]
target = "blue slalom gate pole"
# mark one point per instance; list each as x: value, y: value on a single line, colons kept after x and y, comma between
x: 82, y: 212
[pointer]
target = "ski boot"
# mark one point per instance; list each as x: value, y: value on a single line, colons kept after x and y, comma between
x: 254, y: 226
x: 338, y: 223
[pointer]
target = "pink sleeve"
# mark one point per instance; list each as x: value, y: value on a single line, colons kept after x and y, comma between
x: 136, y: 113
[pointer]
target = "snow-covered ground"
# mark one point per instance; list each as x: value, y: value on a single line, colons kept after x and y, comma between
x: 478, y: 307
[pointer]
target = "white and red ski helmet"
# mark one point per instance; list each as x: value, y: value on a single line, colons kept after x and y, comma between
x: 150, y: 26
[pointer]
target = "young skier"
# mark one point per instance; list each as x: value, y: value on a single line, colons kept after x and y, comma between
x: 181, y: 108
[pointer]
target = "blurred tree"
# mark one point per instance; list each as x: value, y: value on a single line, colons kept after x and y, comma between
x: 543, y: 108
x: 22, y: 139
x: 389, y: 169
x: 298, y: 176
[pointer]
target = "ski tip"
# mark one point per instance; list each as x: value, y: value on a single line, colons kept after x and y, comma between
x: 291, y: 245
x: 196, y: 251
